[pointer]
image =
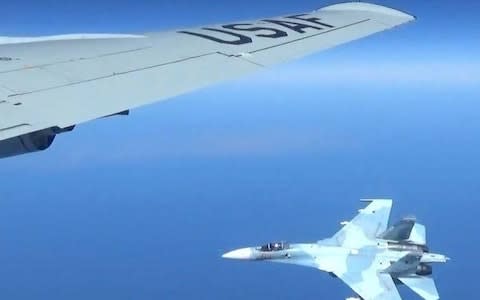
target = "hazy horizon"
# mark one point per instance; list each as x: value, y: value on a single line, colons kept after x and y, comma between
x: 142, y: 207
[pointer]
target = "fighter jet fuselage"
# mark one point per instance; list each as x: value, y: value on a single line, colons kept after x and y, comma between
x: 362, y: 256
x: 313, y: 254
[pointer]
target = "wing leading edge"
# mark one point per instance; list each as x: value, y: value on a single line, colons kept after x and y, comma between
x: 60, y: 82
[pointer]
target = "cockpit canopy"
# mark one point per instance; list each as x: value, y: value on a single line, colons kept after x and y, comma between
x: 272, y: 247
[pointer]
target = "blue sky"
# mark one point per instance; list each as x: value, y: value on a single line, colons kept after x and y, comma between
x: 142, y: 207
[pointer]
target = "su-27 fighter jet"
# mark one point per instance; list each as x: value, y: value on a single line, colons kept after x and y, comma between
x: 364, y: 254
x: 48, y: 85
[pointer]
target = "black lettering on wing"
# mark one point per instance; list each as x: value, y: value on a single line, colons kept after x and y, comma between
x: 240, y: 39
x: 314, y: 20
x: 268, y: 32
x: 232, y: 37
x: 295, y: 26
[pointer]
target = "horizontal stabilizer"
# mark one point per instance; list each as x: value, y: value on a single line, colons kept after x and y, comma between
x: 423, y: 286
x: 405, y: 265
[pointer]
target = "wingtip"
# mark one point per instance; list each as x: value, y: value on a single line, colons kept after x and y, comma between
x: 375, y: 8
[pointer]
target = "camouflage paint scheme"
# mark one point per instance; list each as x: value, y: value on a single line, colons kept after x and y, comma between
x: 369, y: 257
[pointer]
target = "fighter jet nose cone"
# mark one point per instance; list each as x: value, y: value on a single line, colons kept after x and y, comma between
x: 244, y: 253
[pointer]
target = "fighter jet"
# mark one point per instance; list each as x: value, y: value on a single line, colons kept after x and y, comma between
x: 366, y: 255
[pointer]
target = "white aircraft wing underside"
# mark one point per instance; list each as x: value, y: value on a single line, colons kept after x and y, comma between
x: 364, y: 229
x: 62, y: 81
x: 371, y: 285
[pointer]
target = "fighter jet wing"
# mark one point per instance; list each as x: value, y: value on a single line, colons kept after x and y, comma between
x: 61, y: 81
x: 359, y: 269
x: 423, y: 286
x: 364, y: 229
x: 371, y: 285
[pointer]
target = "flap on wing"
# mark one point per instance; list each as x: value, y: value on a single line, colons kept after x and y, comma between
x: 366, y: 226
x: 423, y: 286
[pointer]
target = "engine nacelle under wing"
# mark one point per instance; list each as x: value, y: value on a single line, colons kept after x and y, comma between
x: 29, y: 143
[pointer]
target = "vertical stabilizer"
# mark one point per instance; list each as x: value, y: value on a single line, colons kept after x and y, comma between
x: 407, y: 230
x: 418, y: 235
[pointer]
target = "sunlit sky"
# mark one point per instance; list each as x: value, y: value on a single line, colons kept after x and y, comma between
x: 142, y: 207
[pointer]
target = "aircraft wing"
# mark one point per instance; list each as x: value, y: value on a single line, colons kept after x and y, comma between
x: 371, y: 285
x: 53, y: 83
x: 364, y: 229
x: 359, y: 269
x: 423, y: 286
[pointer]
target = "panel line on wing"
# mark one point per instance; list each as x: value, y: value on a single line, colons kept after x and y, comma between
x: 114, y: 74
x: 74, y: 59
x: 310, y: 36
x: 14, y: 127
x: 85, y: 85
x: 243, y: 57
